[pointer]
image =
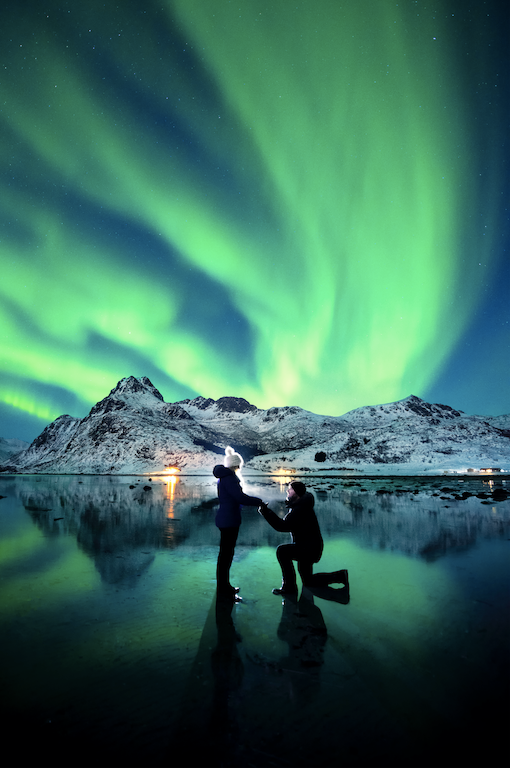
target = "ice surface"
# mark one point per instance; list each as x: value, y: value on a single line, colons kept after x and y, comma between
x: 118, y: 653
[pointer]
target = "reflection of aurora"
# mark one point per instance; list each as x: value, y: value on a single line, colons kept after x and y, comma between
x: 126, y: 674
x: 202, y: 160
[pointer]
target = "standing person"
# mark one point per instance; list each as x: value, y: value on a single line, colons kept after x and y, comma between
x: 307, y: 543
x: 228, y: 517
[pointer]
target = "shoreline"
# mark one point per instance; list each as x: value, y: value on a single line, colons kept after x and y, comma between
x: 328, y: 474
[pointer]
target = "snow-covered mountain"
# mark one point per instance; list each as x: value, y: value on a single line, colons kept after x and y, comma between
x: 410, y: 435
x: 134, y: 431
x: 10, y: 446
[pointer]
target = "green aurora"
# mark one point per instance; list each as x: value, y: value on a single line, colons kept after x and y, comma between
x: 274, y: 201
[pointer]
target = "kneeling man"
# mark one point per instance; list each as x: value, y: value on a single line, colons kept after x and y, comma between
x: 307, y: 543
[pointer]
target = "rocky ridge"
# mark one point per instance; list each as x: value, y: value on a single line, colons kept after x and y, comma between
x: 133, y: 430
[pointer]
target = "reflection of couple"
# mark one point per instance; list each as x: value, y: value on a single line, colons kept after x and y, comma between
x: 301, y: 522
x: 229, y: 738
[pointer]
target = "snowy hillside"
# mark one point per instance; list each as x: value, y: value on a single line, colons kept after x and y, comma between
x: 407, y: 436
x: 257, y: 431
x: 134, y: 431
x: 10, y: 447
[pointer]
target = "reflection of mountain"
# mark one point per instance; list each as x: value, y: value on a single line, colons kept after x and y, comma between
x: 134, y: 430
x: 122, y: 569
x: 121, y: 525
x: 420, y: 525
x: 447, y: 540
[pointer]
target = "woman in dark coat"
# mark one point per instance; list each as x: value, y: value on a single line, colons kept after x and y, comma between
x: 228, y: 517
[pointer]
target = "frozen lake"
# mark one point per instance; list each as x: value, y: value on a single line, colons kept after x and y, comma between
x: 115, y: 652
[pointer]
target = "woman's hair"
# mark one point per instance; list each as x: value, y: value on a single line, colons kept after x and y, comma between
x: 232, y: 459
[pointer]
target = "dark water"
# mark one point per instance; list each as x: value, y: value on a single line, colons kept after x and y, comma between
x: 115, y: 652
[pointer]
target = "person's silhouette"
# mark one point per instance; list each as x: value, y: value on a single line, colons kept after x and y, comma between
x: 307, y: 543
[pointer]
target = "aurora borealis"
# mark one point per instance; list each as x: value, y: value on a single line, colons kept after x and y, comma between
x: 299, y: 203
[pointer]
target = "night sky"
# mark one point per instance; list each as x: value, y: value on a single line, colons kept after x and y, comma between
x: 298, y: 202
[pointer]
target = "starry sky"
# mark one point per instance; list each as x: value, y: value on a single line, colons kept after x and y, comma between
x: 298, y: 202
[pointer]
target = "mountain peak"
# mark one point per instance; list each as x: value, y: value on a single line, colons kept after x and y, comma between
x: 408, y: 408
x: 131, y: 385
x: 129, y: 392
x: 235, y: 405
x: 224, y: 404
x: 422, y: 408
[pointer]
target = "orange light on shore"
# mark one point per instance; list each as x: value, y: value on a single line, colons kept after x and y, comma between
x: 171, y: 482
x: 284, y: 477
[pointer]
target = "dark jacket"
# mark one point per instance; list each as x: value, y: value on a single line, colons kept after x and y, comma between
x: 231, y: 498
x: 302, y: 524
